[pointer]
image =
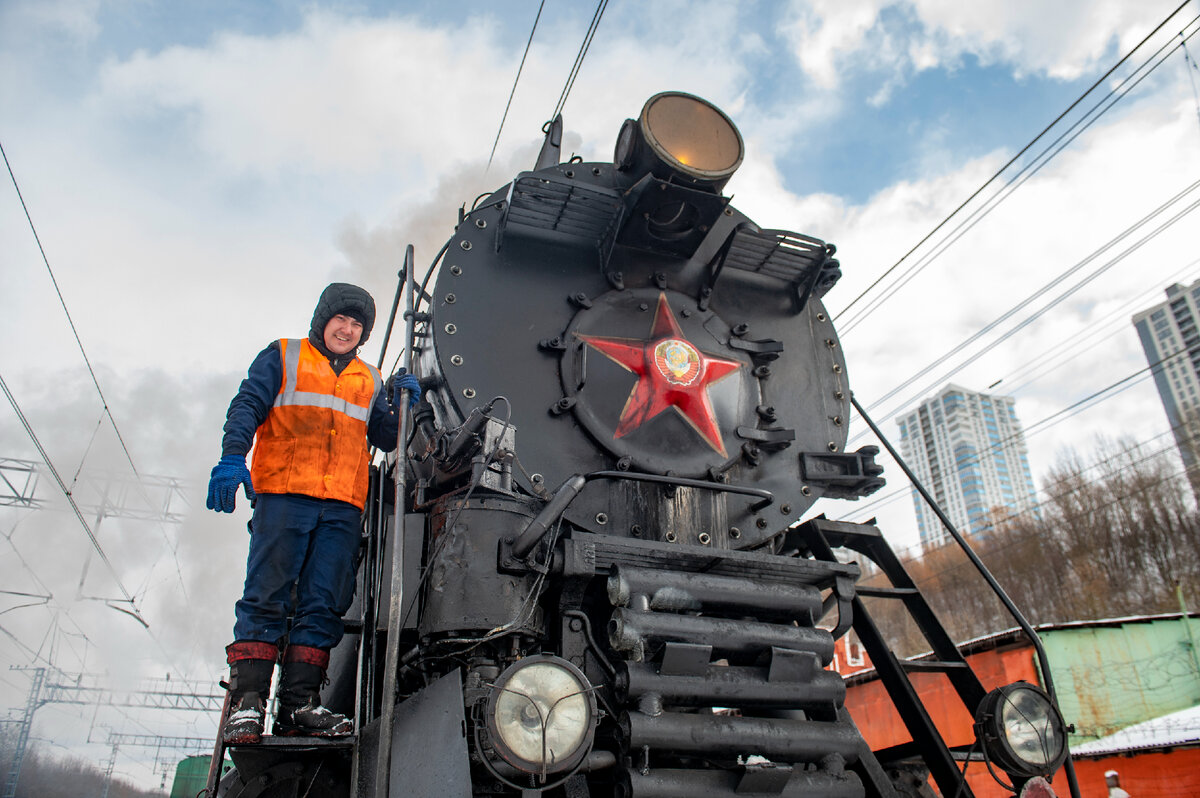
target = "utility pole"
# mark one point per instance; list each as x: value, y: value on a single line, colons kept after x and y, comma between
x: 84, y: 688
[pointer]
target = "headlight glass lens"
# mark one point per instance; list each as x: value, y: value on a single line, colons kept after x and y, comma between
x: 1028, y: 722
x: 693, y: 133
x: 541, y: 715
x: 1022, y: 731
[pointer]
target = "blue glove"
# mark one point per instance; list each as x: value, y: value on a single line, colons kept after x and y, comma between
x: 223, y: 485
x: 402, y: 380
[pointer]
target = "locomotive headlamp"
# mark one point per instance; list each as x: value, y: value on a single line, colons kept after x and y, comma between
x: 677, y: 156
x: 681, y: 138
x: 541, y: 715
x: 1021, y: 730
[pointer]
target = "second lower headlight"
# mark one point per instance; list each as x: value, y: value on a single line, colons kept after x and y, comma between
x: 1022, y: 730
x: 541, y: 715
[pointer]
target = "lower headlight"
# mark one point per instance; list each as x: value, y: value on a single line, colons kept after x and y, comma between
x: 541, y: 715
x: 1021, y: 730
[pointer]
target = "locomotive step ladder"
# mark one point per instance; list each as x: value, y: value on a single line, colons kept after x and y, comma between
x: 821, y: 538
x: 270, y: 743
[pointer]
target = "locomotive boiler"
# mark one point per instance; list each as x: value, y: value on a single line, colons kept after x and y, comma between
x: 584, y: 575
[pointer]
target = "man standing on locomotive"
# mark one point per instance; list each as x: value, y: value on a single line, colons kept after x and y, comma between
x: 310, y: 407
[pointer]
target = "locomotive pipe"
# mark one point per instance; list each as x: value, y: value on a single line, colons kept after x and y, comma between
x: 387, y: 334
x: 725, y: 735
x: 664, y: 783
x: 383, y: 759
x: 554, y: 508
x: 683, y: 590
x: 570, y: 488
x: 730, y: 686
x: 632, y: 631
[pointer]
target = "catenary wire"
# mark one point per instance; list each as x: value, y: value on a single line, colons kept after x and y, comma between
x: 1024, y: 149
x: 1017, y: 538
x: 1061, y: 415
x: 87, y: 361
x: 1015, y: 182
x: 1048, y: 495
x: 1054, y: 302
x: 63, y: 302
x: 583, y: 51
x: 512, y: 93
x: 915, y: 550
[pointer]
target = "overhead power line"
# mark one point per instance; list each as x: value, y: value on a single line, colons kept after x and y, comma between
x: 514, y: 86
x: 583, y: 51
x: 87, y: 361
x: 1049, y: 421
x: 914, y: 550
x: 1011, y: 161
x: 1052, y: 303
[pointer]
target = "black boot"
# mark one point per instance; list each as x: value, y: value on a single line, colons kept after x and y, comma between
x: 249, y: 685
x: 300, y: 710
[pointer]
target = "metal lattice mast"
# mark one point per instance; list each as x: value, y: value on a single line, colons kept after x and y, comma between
x: 108, y: 771
x: 31, y: 704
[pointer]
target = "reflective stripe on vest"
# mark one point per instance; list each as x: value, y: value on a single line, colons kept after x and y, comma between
x: 288, y: 395
x: 314, y: 439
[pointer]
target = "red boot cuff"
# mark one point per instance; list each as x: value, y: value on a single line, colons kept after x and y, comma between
x: 308, y: 655
x: 250, y: 649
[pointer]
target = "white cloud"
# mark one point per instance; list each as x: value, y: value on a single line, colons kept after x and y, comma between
x: 339, y: 94
x: 898, y: 38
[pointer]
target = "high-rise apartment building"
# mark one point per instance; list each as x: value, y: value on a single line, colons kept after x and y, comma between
x: 968, y: 450
x: 1171, y: 341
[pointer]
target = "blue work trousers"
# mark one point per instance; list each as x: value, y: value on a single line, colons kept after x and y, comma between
x: 308, y: 543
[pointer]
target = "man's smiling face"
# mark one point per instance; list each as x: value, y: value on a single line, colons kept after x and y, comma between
x: 342, y: 334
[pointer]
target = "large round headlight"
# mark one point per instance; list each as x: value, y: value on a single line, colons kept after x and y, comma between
x: 1022, y: 730
x: 692, y: 135
x: 682, y: 138
x: 541, y: 715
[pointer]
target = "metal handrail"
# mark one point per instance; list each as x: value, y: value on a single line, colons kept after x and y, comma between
x: 392, y: 660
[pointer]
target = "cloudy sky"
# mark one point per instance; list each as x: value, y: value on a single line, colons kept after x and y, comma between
x: 198, y: 172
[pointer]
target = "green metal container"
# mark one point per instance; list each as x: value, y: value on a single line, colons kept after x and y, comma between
x: 191, y: 776
x: 1112, y: 674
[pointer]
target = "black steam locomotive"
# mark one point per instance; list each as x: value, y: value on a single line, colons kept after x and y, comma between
x: 632, y: 393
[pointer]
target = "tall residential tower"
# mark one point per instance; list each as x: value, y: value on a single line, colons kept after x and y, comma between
x: 968, y: 450
x: 1172, y: 344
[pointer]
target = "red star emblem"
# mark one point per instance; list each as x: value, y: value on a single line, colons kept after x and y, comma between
x: 671, y: 373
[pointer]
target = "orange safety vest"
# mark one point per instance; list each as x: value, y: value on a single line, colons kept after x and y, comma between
x: 314, y: 441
